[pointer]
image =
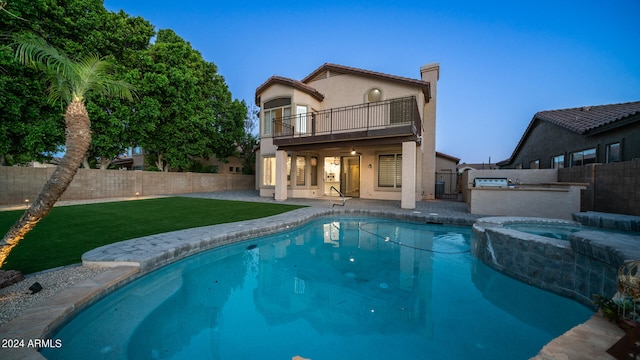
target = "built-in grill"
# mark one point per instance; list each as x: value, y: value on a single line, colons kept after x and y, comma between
x: 491, y: 182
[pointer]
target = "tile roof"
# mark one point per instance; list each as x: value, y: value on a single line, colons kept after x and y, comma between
x: 446, y: 156
x: 588, y: 118
x: 289, y: 82
x: 351, y: 70
x: 582, y: 120
x: 340, y: 69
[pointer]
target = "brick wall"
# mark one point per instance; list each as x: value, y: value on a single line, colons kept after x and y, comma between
x: 20, y: 183
x: 613, y: 188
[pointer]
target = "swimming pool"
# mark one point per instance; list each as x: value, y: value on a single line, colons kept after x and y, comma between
x: 336, y: 288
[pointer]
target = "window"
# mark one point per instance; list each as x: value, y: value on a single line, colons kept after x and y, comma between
x: 300, y: 166
x: 557, y: 162
x: 535, y: 164
x: 230, y: 169
x: 519, y: 166
x: 583, y: 157
x: 301, y: 119
x: 374, y: 95
x: 390, y: 171
x: 269, y: 172
x: 137, y: 150
x: 613, y: 153
x: 289, y: 170
x: 314, y: 171
x: 266, y: 127
x: 276, y: 112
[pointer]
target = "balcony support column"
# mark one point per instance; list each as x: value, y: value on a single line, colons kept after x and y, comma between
x: 281, y: 176
x: 408, y: 200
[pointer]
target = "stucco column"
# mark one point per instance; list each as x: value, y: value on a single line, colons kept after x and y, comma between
x: 408, y: 175
x: 281, y: 176
x: 430, y: 73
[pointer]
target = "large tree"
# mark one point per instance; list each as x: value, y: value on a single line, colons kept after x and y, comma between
x: 188, y: 109
x: 70, y: 81
x: 249, y: 143
x: 30, y: 127
x: 114, y: 126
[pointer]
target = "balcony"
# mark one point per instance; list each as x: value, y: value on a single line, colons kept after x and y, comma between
x: 395, y: 118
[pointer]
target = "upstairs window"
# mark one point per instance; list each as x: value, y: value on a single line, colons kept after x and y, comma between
x: 301, y: 119
x: 535, y: 164
x: 374, y: 95
x: 275, y: 112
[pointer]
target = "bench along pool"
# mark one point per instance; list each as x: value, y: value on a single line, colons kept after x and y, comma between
x: 335, y: 288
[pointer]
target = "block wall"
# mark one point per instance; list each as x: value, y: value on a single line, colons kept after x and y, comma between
x: 20, y: 183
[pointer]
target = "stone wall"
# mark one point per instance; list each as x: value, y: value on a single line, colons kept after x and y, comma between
x: 550, y: 264
x: 613, y: 188
x: 20, y: 183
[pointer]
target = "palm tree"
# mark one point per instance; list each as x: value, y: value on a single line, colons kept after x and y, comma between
x: 70, y: 81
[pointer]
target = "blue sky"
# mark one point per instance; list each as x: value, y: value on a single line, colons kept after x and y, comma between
x: 500, y: 61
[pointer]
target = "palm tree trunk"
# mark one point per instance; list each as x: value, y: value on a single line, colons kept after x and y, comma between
x: 78, y: 139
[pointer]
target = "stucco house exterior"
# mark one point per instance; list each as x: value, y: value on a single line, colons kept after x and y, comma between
x: 363, y: 133
x: 579, y: 136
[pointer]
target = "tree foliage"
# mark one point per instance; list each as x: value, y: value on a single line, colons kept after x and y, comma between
x: 188, y: 110
x: 184, y: 110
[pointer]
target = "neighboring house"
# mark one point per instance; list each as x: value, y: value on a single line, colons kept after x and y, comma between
x: 481, y: 166
x: 364, y: 133
x: 579, y: 136
x: 446, y: 163
x: 446, y: 176
x: 134, y: 159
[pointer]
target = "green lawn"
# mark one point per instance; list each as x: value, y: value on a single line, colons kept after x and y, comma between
x: 69, y: 231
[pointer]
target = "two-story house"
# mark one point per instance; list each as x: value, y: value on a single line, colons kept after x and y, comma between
x: 363, y: 133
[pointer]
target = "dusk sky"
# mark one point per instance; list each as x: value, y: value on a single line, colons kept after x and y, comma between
x: 500, y: 61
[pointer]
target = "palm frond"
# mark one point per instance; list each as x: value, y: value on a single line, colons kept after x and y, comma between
x: 36, y: 52
x: 97, y: 75
x: 68, y: 79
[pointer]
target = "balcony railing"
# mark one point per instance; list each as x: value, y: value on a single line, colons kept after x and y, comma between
x: 395, y: 117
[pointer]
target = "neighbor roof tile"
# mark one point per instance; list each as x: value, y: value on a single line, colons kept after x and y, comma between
x: 587, y: 118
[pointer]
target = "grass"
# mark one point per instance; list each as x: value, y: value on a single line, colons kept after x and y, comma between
x: 69, y: 231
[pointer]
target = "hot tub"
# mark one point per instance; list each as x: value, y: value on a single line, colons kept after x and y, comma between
x: 585, y: 265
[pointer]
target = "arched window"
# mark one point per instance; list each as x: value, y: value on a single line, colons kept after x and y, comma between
x: 374, y: 95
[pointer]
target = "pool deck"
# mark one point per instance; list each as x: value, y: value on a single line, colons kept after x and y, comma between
x: 130, y: 259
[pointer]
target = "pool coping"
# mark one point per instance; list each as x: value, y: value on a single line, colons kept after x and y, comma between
x: 128, y: 260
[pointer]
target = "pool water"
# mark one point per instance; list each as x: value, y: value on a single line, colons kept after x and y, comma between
x: 560, y: 231
x: 336, y: 288
x: 554, y: 231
